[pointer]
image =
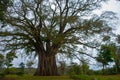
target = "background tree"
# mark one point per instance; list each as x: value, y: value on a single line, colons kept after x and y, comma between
x: 22, y: 67
x: 115, y: 50
x: 117, y: 59
x: 1, y: 62
x: 29, y: 64
x: 9, y: 58
x: 117, y: 54
x: 84, y: 66
x: 104, y: 56
x: 118, y: 39
x: 62, y: 68
x: 77, y: 69
x: 46, y: 28
x: 74, y: 69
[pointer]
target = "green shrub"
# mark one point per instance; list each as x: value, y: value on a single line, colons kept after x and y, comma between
x: 9, y: 71
x: 2, y: 75
x: 98, y: 72
x: 111, y: 71
x: 5, y: 71
x: 20, y: 73
x: 12, y: 70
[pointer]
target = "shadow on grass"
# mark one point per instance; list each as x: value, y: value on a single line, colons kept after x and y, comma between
x: 7, y: 79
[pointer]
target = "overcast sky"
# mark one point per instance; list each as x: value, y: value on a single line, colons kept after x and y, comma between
x: 112, y: 5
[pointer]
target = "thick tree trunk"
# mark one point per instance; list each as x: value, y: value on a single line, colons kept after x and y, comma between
x: 46, y: 65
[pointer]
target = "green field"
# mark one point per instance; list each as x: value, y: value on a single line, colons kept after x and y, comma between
x: 96, y: 77
x: 29, y: 77
x: 109, y: 77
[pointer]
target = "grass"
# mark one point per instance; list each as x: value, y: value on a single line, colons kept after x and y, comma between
x: 108, y: 77
x: 77, y: 77
x: 30, y: 77
x: 96, y: 77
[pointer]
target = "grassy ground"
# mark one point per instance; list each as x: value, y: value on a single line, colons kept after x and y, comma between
x: 29, y: 77
x: 96, y: 77
x: 109, y: 77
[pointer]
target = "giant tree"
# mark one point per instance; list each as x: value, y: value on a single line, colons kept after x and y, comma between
x: 49, y: 27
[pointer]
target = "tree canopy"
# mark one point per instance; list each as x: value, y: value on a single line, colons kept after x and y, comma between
x: 105, y: 54
x: 4, y: 4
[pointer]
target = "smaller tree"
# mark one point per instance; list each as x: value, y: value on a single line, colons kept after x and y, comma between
x: 118, y: 39
x: 116, y: 56
x: 74, y: 69
x: 85, y: 67
x: 29, y: 64
x: 118, y: 59
x: 77, y: 69
x: 7, y: 61
x: 9, y: 58
x: 22, y: 66
x: 1, y: 61
x: 62, y: 67
x: 104, y: 56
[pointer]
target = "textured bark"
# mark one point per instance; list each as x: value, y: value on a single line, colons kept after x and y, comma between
x: 46, y: 66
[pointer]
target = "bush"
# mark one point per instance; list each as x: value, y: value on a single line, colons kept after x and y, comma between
x: 2, y: 75
x: 9, y: 71
x: 12, y: 70
x: 20, y: 73
x: 111, y: 71
x: 98, y: 72
x: 74, y: 69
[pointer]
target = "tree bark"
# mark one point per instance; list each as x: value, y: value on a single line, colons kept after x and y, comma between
x: 46, y: 65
